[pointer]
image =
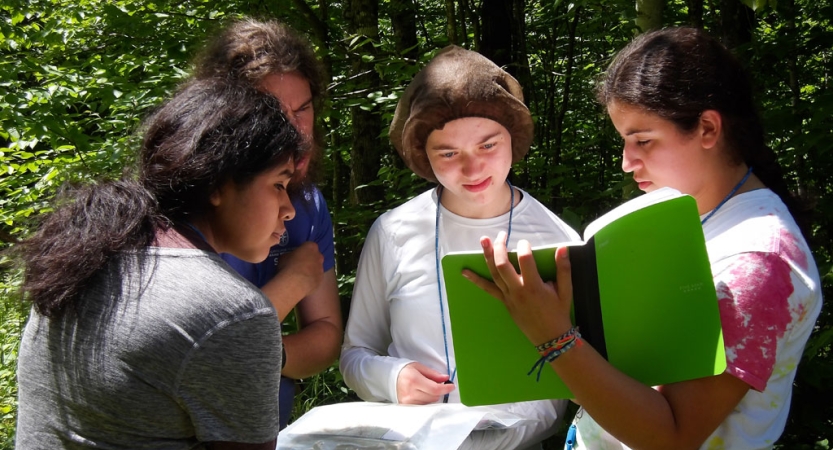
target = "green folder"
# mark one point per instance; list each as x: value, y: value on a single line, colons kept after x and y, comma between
x: 643, y: 297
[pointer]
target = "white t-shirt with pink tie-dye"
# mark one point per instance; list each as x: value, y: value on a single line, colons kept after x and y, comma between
x: 769, y: 294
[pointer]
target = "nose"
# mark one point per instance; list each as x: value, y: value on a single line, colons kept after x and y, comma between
x: 630, y: 159
x: 470, y: 165
x: 286, y: 211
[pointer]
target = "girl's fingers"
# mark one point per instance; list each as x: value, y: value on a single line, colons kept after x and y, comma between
x: 526, y: 262
x: 563, y: 274
x: 506, y: 277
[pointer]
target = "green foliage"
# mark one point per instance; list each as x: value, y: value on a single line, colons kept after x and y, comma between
x: 12, y: 316
x: 77, y: 77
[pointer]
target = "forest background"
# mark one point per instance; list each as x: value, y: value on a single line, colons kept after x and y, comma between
x: 77, y: 77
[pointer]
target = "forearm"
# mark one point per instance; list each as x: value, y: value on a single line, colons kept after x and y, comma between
x: 679, y: 415
x: 311, y: 350
x: 283, y: 294
x: 316, y: 346
x: 625, y: 408
x: 370, y: 375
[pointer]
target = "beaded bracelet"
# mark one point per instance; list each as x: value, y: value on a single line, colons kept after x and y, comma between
x: 553, y: 349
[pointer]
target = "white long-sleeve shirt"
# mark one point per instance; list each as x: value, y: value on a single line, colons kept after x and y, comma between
x: 395, y: 317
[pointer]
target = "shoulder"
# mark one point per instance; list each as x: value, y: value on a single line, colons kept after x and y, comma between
x: 413, y: 213
x: 196, y: 279
x: 310, y: 200
x: 541, y: 218
x: 756, y: 222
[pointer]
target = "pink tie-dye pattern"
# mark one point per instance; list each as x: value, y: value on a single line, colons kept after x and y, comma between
x: 754, y: 311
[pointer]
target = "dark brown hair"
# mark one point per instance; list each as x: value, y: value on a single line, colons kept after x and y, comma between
x: 207, y: 134
x: 677, y: 73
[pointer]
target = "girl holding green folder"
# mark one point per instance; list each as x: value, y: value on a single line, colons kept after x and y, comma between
x: 683, y: 106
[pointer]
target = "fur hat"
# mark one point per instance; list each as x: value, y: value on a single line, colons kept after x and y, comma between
x: 457, y: 83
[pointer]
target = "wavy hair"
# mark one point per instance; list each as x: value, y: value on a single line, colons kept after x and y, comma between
x: 208, y: 133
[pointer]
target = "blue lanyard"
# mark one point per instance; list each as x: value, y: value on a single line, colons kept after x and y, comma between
x: 726, y: 199
x: 448, y: 370
x: 196, y: 230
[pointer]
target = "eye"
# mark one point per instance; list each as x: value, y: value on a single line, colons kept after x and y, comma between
x: 281, y: 186
x: 304, y: 108
x: 643, y: 143
x: 489, y: 145
x: 446, y: 155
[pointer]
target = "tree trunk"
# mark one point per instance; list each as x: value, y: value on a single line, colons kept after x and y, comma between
x: 365, y: 163
x: 558, y: 132
x: 451, y: 22
x: 495, y: 35
x: 520, y: 61
x: 463, y: 12
x: 736, y: 23
x: 795, y: 92
x: 695, y: 13
x: 403, y: 20
x: 649, y: 14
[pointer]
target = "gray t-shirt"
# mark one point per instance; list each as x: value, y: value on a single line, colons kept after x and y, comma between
x: 179, y: 352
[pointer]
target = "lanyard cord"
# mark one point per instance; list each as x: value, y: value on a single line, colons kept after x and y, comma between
x: 199, y: 233
x: 439, y: 280
x: 726, y: 199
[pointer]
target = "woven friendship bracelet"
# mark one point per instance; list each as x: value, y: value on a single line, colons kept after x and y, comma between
x: 553, y: 349
x: 558, y: 342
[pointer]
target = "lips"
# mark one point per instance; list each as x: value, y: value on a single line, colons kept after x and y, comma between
x: 479, y: 186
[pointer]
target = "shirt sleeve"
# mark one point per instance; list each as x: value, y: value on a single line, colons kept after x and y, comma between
x: 753, y: 291
x: 323, y: 231
x: 365, y: 364
x: 229, y: 384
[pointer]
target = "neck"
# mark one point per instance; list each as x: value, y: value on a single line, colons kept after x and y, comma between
x: 198, y: 233
x: 722, y: 187
x: 501, y: 204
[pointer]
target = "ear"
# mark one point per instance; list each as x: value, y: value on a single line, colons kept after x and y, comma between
x: 711, y: 128
x: 216, y: 197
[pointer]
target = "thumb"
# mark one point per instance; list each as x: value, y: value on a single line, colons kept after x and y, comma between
x: 431, y: 374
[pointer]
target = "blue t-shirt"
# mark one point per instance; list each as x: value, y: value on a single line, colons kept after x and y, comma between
x: 312, y: 222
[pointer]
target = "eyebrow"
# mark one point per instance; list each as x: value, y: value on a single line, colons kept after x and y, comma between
x: 287, y: 172
x: 638, y: 130
x: 487, y: 138
x: 306, y: 103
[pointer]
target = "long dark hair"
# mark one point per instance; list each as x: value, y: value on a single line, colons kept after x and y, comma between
x: 677, y: 73
x: 208, y: 133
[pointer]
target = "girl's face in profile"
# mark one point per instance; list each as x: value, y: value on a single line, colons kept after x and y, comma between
x: 471, y: 158
x: 656, y: 152
x: 249, y: 219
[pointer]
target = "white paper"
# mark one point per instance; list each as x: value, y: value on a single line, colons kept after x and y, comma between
x: 385, y: 426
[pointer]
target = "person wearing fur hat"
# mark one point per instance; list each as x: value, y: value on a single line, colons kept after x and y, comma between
x: 461, y: 123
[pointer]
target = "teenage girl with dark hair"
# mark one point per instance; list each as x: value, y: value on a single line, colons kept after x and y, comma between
x: 684, y: 107
x: 299, y: 272
x: 140, y: 335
